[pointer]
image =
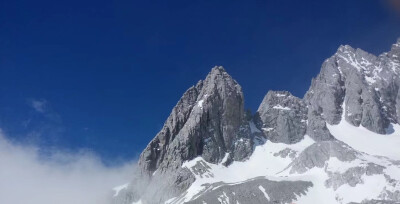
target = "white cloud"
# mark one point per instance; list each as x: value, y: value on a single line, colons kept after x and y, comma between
x: 63, y: 178
x: 39, y: 105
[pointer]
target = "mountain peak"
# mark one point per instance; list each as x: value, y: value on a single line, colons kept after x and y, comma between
x: 208, y: 122
x: 344, y: 48
x: 395, y: 50
x: 219, y: 73
x: 218, y: 69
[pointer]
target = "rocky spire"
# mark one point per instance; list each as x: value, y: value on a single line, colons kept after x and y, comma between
x: 205, y: 122
x: 208, y: 121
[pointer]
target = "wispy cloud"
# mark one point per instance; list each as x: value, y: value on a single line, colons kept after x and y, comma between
x: 43, y: 124
x: 62, y: 178
x: 38, y: 105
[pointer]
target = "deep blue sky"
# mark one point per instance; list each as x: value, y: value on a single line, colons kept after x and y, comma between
x: 104, y: 75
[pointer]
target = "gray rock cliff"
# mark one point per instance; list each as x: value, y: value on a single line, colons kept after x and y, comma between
x: 365, y: 84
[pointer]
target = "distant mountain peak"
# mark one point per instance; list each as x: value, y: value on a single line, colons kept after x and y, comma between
x: 211, y: 151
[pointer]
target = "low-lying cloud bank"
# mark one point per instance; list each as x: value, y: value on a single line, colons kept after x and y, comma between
x: 63, y: 178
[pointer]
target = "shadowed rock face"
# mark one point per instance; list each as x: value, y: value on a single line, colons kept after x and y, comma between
x: 256, y: 191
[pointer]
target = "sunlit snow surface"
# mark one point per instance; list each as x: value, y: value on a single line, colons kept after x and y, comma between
x: 367, y: 141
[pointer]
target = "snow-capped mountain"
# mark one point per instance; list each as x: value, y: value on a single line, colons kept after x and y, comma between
x: 340, y: 143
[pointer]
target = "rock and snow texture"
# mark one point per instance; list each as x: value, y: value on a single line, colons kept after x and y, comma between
x: 282, y: 117
x: 208, y: 121
x: 338, y: 144
x: 255, y: 191
x: 368, y: 84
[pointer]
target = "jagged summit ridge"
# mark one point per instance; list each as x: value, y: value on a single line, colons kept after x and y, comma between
x: 367, y: 84
x: 208, y: 134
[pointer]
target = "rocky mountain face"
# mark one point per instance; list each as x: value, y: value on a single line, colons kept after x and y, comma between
x: 208, y: 121
x: 210, y: 150
x: 367, y: 84
x: 282, y: 117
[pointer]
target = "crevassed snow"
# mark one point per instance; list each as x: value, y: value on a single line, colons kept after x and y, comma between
x: 281, y: 107
x: 119, y: 188
x: 262, y: 189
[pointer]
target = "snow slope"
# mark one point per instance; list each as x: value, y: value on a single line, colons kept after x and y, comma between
x: 367, y: 141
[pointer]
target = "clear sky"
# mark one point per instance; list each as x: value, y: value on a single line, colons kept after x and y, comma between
x: 104, y: 75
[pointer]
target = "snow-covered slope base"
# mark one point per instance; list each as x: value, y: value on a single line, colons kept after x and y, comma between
x: 320, y: 172
x: 367, y: 141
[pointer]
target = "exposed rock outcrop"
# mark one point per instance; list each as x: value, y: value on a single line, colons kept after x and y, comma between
x: 367, y: 84
x: 319, y: 153
x: 282, y: 117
